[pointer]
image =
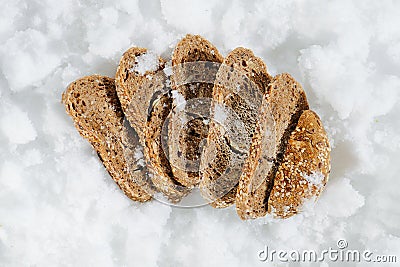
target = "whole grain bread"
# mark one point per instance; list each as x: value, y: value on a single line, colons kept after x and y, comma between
x: 263, y: 148
x: 93, y: 104
x: 146, y: 102
x: 191, y: 82
x: 240, y: 83
x: 283, y: 103
x: 139, y: 76
x: 304, y: 171
x: 157, y: 155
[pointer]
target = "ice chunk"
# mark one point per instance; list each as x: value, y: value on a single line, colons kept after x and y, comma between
x: 220, y: 114
x: 139, y: 156
x: 315, y: 178
x: 17, y: 126
x: 27, y: 58
x: 179, y: 100
x: 144, y: 63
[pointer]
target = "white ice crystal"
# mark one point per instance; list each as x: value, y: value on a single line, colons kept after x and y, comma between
x: 144, y: 63
x: 139, y: 156
x: 179, y: 100
x: 220, y: 114
x: 315, y: 178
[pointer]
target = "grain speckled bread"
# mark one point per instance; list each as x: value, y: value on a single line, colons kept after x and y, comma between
x: 231, y: 129
x: 304, y: 170
x: 162, y: 176
x: 136, y: 82
x: 240, y: 83
x: 285, y: 100
x: 140, y: 83
x: 185, y: 150
x: 93, y: 104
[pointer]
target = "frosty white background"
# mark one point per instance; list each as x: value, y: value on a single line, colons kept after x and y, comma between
x: 58, y: 206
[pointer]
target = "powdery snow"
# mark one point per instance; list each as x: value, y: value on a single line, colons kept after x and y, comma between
x: 58, y: 204
x: 144, y: 63
x: 220, y: 113
x: 315, y: 178
x: 179, y: 100
x: 139, y: 156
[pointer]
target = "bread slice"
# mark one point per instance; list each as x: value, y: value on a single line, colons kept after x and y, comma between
x: 138, y: 78
x: 239, y: 86
x: 146, y: 102
x: 284, y: 102
x: 155, y: 153
x: 93, y: 104
x: 192, y: 82
x: 304, y: 171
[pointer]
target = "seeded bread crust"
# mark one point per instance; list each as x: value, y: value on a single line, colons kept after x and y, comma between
x: 93, y: 104
x: 240, y: 83
x: 305, y: 168
x: 284, y: 101
x: 187, y: 151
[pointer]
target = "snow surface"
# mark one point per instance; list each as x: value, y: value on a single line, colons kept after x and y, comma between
x: 58, y: 206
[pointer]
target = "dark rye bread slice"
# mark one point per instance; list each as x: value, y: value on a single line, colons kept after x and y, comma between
x: 139, y: 76
x: 192, y: 79
x: 305, y: 168
x: 93, y: 104
x: 284, y: 100
x: 240, y: 84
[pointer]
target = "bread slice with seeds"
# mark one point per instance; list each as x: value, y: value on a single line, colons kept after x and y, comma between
x: 192, y: 81
x: 139, y: 76
x: 157, y: 155
x: 304, y: 171
x: 283, y: 103
x: 146, y: 102
x: 93, y: 104
x: 239, y: 86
